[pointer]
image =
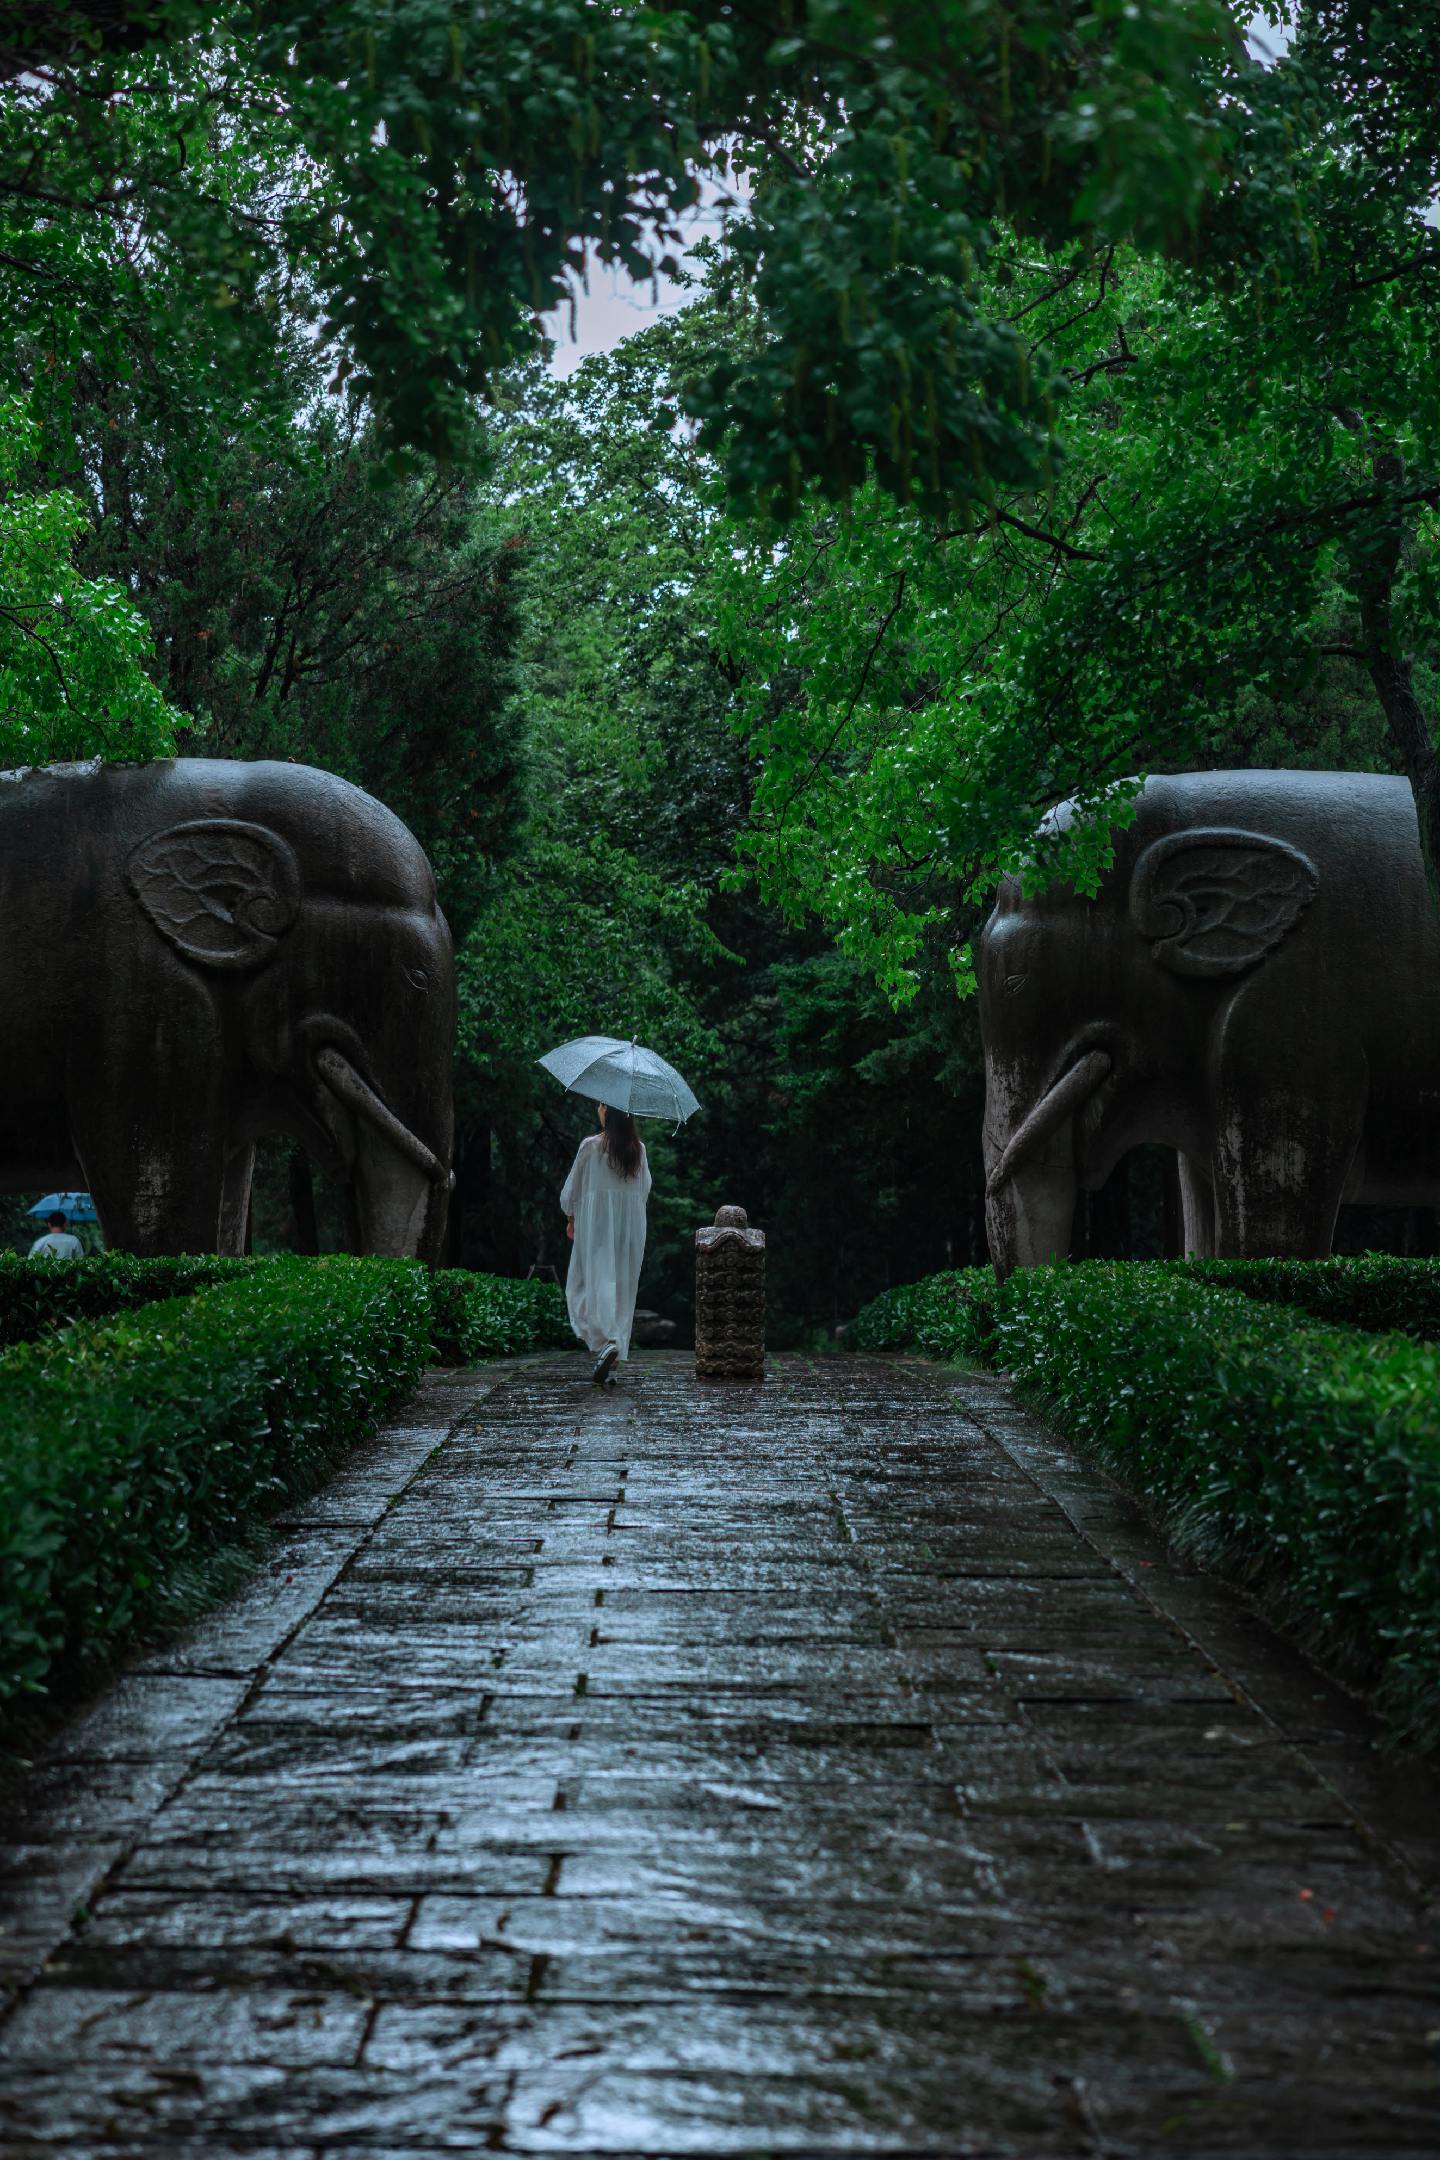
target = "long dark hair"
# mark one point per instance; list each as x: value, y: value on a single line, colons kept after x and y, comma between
x: 621, y: 1142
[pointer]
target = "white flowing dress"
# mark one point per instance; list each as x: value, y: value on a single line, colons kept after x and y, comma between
x: 609, y: 1212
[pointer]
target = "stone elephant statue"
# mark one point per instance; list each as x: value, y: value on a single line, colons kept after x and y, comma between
x: 199, y: 952
x: 1256, y: 985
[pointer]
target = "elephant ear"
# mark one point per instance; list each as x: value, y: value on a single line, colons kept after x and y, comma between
x: 1213, y: 902
x: 222, y: 893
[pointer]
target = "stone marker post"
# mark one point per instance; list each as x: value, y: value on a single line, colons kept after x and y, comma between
x: 730, y: 1299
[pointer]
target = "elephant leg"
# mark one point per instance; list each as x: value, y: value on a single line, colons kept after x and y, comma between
x: 1197, y: 1208
x: 235, y: 1201
x: 1282, y: 1158
x: 157, y: 1176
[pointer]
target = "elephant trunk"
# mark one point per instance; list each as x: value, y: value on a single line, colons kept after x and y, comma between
x: 401, y: 1210
x: 339, y: 1074
x: 402, y: 1189
x: 1029, y: 1219
x: 1032, y: 1181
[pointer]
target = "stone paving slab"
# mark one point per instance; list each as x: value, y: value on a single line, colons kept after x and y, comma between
x: 838, y: 1767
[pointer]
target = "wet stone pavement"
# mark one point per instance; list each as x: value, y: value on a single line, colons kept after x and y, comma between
x: 834, y: 1767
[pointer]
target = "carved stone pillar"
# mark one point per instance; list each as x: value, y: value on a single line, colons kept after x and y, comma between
x: 730, y: 1299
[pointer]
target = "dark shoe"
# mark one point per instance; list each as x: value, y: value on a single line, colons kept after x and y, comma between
x: 603, y: 1364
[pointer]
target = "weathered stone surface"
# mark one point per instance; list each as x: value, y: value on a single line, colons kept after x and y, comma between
x: 1259, y: 959
x: 848, y: 1773
x: 227, y: 936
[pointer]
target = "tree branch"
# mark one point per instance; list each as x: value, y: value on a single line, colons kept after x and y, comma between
x: 827, y: 750
x: 27, y: 629
x: 1427, y: 258
x: 1070, y: 321
x: 1034, y: 532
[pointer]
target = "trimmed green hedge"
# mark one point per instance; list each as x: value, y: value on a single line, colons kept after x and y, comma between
x: 132, y: 1448
x: 1303, y: 1461
x: 40, y: 1294
x: 137, y: 1447
x: 1378, y: 1291
x: 480, y: 1316
x: 946, y: 1316
x: 953, y: 1315
x: 474, y: 1316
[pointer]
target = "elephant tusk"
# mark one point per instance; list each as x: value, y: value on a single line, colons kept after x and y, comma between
x: 1062, y: 1100
x: 339, y: 1074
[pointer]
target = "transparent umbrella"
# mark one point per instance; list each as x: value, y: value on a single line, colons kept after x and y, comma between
x: 625, y: 1075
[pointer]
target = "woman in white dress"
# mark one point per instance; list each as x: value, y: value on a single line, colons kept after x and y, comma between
x: 604, y: 1201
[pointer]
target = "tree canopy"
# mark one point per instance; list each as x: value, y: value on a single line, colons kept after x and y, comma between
x: 73, y: 648
x: 1057, y: 405
x: 1247, y: 503
x: 419, y: 180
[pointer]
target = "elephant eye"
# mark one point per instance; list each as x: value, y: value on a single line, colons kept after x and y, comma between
x: 417, y: 978
x: 1013, y: 985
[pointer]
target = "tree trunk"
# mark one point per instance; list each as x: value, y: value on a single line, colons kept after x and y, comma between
x: 1102, y: 1219
x: 468, y: 1224
x: 302, y: 1202
x: 1393, y: 675
x: 1172, y: 1233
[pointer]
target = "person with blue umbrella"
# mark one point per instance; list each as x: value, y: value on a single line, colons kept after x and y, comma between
x: 604, y: 1196
x: 57, y: 1241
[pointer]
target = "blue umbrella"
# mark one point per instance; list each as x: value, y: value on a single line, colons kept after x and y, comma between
x: 77, y: 1205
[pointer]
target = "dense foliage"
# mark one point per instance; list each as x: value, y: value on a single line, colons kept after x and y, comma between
x: 823, y: 1113
x: 37, y: 1295
x: 472, y: 1316
x: 1301, y: 1460
x: 131, y: 1449
x: 1375, y: 1290
x: 483, y: 1316
x: 1243, y: 527
x: 947, y: 1316
x: 417, y: 181
x: 954, y: 1314
x: 1057, y: 406
x: 73, y: 647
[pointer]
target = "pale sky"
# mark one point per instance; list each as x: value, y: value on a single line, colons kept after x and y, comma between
x: 616, y: 307
x: 1266, y: 38
x: 613, y: 309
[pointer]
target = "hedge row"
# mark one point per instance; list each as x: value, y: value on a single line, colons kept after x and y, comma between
x: 132, y: 1448
x: 1301, y: 1460
x: 480, y: 1316
x: 474, y: 1316
x: 953, y: 1315
x: 946, y: 1316
x: 136, y: 1449
x: 1379, y: 1291
x: 40, y: 1294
